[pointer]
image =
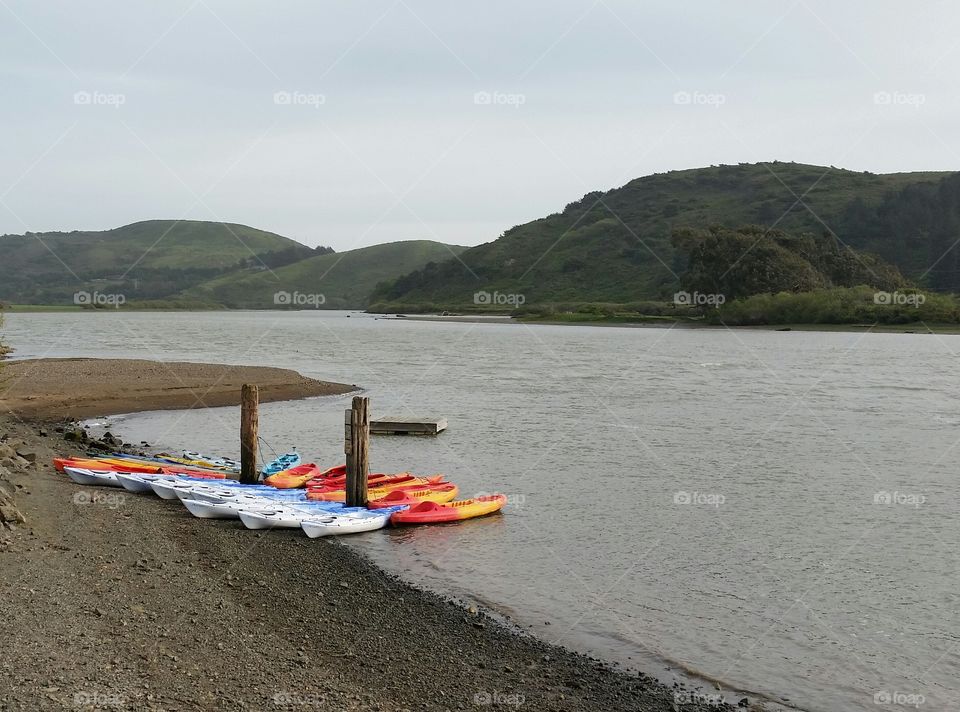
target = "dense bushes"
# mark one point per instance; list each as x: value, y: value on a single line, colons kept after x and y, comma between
x: 855, y: 305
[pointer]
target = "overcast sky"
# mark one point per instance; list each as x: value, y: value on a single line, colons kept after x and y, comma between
x: 358, y: 122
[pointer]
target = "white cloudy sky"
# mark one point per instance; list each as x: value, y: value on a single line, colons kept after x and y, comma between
x: 583, y: 95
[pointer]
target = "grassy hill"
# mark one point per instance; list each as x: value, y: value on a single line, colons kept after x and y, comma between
x: 345, y: 279
x: 145, y: 260
x: 615, y: 246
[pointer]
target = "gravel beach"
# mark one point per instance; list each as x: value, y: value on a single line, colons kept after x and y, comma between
x: 110, y: 600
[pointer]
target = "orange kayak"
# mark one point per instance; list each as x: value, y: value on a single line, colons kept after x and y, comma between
x: 294, y: 477
x: 131, y: 467
x: 434, y: 512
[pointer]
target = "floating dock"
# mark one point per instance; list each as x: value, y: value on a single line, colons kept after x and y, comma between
x: 408, y: 426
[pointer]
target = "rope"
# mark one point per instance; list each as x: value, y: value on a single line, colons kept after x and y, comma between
x: 261, y: 441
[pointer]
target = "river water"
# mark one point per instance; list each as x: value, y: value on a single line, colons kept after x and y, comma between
x: 774, y: 510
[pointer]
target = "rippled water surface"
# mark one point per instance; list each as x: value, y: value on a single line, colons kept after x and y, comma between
x: 711, y: 500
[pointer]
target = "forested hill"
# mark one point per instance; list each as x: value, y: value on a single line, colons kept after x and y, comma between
x: 615, y: 246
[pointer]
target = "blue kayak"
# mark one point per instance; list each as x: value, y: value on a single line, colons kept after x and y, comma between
x: 284, y: 462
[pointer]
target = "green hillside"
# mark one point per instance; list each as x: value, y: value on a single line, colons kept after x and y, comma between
x: 345, y: 279
x: 615, y: 246
x: 755, y: 260
x: 145, y: 260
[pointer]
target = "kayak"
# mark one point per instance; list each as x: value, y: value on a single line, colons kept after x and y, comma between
x: 335, y: 471
x: 132, y: 466
x: 281, y: 517
x: 338, y: 494
x: 294, y: 478
x: 60, y: 463
x: 165, y: 489
x: 337, y: 524
x: 284, y: 462
x: 340, y: 481
x: 139, y: 483
x: 231, y: 510
x: 83, y: 476
x: 190, y: 462
x: 220, y: 462
x: 410, y: 497
x: 433, y: 512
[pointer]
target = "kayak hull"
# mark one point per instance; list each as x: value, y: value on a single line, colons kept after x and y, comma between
x: 436, y: 513
x: 96, y: 478
x: 337, y: 525
x: 412, y: 497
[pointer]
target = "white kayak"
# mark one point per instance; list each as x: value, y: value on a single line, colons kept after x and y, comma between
x: 206, y: 495
x: 139, y: 483
x: 166, y: 489
x: 352, y: 523
x: 213, y: 510
x: 83, y: 476
x: 279, y: 517
x: 226, y: 509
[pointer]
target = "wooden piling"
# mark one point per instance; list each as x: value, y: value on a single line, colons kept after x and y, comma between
x: 356, y: 445
x: 249, y: 425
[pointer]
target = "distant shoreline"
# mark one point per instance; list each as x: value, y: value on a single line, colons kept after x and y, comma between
x: 495, y: 318
x: 915, y: 328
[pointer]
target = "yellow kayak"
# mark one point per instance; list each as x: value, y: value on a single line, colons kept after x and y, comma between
x: 430, y: 493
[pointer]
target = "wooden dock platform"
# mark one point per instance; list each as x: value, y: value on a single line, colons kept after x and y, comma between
x: 408, y: 426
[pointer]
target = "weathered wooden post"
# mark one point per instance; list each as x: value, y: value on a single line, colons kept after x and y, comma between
x: 249, y: 425
x: 356, y: 445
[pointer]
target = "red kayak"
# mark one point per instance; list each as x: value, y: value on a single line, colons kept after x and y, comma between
x: 373, y: 479
x: 434, y: 512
